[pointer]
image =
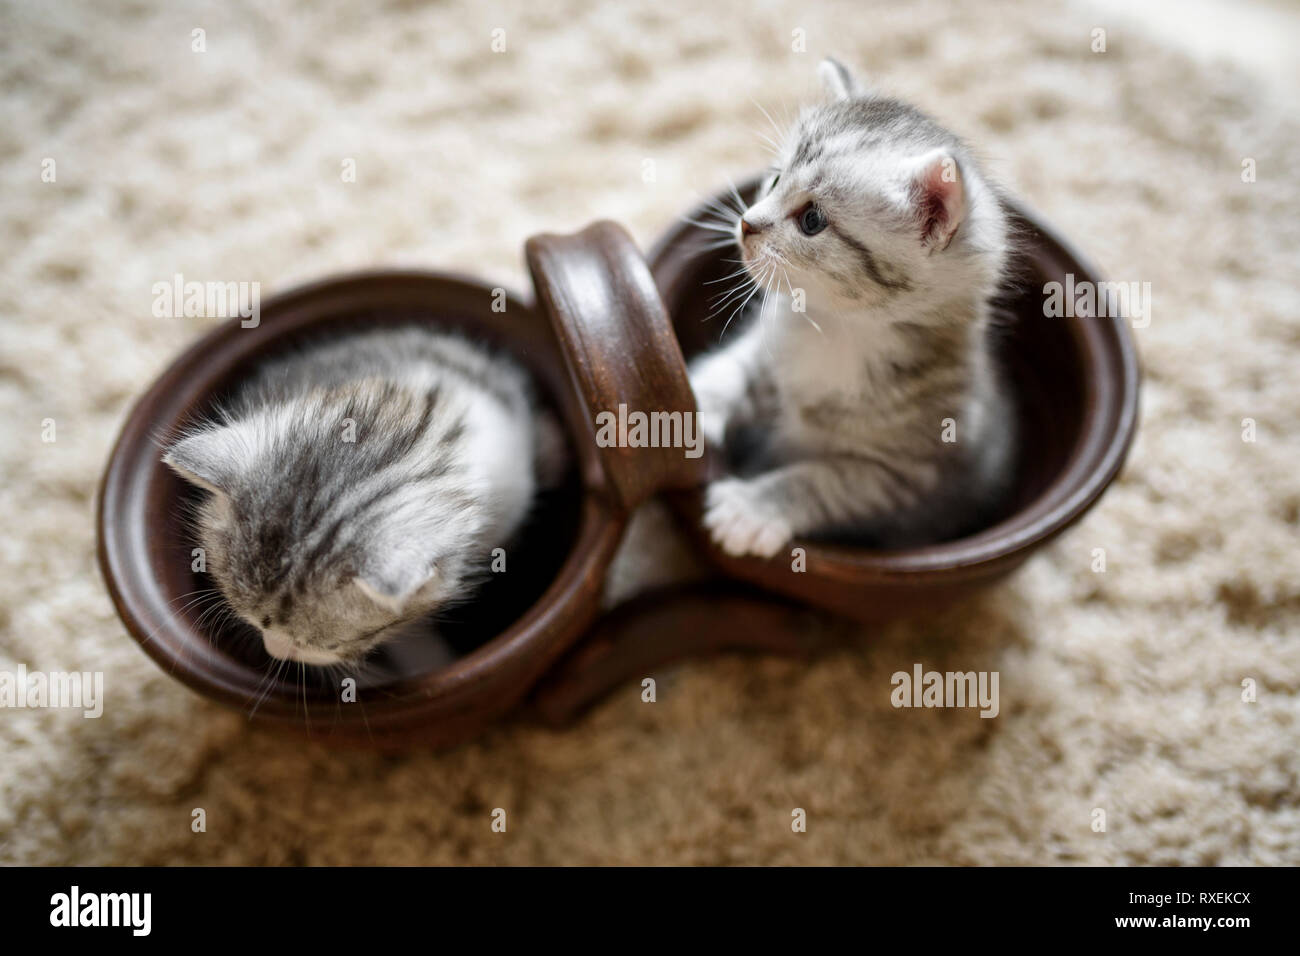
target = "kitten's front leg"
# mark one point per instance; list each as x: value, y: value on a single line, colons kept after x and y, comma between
x: 760, y: 515
x: 724, y: 383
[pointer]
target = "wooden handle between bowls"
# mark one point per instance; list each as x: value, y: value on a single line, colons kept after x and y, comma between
x: 622, y: 354
x: 654, y: 631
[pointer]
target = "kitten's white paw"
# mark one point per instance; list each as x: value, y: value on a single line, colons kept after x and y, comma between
x: 742, y: 522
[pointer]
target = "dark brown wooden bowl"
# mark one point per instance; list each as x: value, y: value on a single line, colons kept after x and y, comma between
x: 1076, y: 382
x: 508, y: 635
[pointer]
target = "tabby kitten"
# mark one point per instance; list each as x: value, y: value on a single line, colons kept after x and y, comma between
x: 362, y: 484
x: 862, y: 399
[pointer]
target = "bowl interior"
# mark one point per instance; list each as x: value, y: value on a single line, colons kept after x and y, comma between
x: 1075, y: 382
x: 148, y: 540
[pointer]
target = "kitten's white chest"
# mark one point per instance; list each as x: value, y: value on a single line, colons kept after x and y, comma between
x: 812, y: 365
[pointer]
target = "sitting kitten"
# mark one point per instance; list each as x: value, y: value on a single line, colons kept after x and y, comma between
x: 881, y: 221
x: 363, y: 483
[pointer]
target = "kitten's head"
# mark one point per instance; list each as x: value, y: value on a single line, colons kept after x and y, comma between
x: 320, y: 527
x: 871, y: 203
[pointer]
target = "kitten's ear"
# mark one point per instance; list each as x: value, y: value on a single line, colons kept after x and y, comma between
x: 937, y: 191
x: 391, y: 582
x: 204, y: 459
x: 837, y: 80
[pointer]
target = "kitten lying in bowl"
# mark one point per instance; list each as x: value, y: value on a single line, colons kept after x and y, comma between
x: 862, y: 398
x: 359, y: 486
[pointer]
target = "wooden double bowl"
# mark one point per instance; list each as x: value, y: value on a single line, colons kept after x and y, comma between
x: 606, y: 327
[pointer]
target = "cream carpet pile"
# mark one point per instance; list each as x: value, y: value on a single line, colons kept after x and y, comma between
x: 1120, y: 691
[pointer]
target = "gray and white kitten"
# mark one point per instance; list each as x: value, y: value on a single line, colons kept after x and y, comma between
x: 361, y: 484
x: 882, y: 223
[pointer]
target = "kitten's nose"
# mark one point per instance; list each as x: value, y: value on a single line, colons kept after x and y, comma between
x: 283, y: 650
x: 747, y: 228
x: 278, y: 647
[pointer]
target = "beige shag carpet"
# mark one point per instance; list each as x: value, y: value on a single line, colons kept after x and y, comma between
x: 1120, y: 691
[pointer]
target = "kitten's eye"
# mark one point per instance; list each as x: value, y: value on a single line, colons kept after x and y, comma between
x: 772, y: 183
x: 812, y: 220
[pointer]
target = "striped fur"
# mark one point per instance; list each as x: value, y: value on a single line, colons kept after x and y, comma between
x: 851, y: 396
x: 362, y: 484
